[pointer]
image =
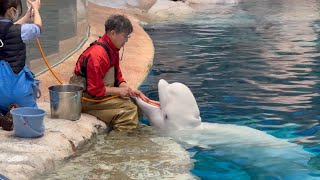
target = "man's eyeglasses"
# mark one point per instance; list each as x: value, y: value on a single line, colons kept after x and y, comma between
x: 125, y: 36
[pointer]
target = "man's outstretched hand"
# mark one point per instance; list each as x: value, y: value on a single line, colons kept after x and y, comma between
x: 140, y: 95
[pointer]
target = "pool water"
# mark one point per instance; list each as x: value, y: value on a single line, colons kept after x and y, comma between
x: 254, y: 64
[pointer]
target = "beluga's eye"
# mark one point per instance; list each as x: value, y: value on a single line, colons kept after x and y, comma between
x: 166, y: 116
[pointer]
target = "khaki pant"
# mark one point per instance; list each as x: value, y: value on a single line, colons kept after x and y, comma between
x: 121, y: 114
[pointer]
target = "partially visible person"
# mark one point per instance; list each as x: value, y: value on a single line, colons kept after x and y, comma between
x: 17, y: 82
x: 99, y: 72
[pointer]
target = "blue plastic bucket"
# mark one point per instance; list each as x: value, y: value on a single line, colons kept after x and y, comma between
x: 28, y: 122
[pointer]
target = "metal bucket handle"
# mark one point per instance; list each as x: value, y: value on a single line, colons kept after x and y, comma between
x: 68, y: 98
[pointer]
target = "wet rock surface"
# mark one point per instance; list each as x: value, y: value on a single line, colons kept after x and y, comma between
x: 141, y: 154
x: 85, y: 149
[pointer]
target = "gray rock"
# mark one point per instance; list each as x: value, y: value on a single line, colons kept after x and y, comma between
x: 145, y: 154
x: 168, y: 9
x: 24, y: 158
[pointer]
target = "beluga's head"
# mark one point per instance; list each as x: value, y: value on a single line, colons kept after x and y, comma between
x: 178, y: 108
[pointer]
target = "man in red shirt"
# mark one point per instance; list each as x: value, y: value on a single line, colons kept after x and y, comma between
x: 99, y: 66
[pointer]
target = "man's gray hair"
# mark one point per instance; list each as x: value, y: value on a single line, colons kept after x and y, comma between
x: 118, y: 23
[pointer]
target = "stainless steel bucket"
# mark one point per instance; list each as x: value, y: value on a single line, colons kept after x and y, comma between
x: 65, y: 101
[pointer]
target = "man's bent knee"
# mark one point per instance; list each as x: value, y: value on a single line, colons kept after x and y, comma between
x: 127, y: 120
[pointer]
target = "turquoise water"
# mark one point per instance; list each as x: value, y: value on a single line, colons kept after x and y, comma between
x: 254, y: 64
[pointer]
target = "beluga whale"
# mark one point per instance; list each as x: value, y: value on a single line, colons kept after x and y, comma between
x: 261, y: 155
